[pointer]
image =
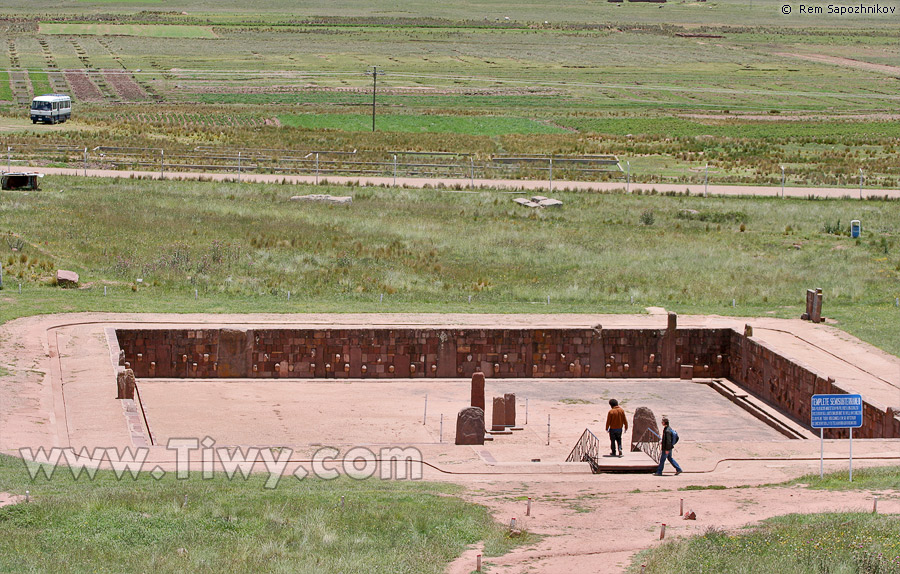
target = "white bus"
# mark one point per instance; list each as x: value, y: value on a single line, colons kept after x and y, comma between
x: 51, y: 108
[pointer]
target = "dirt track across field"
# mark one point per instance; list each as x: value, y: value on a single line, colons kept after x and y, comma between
x: 464, y: 185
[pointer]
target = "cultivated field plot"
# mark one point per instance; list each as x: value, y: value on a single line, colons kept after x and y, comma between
x: 673, y: 86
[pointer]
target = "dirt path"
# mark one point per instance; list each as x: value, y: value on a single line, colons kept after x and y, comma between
x: 466, y: 185
x: 6, y: 499
x: 846, y: 63
x: 600, y: 524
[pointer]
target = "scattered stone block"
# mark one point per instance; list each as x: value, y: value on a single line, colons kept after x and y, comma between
x: 66, y: 278
x: 325, y: 198
x: 470, y: 426
x: 538, y: 201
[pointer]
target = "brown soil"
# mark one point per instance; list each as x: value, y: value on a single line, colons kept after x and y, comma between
x: 83, y: 87
x: 6, y: 499
x: 124, y: 85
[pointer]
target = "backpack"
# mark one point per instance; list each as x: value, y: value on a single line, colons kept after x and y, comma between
x: 674, y: 436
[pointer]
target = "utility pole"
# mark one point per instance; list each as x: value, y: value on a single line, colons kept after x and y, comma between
x: 374, y: 89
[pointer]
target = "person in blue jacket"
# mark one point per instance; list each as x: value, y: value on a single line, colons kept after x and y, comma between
x: 668, y: 443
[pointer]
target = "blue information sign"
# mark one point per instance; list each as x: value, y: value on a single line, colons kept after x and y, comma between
x: 837, y: 411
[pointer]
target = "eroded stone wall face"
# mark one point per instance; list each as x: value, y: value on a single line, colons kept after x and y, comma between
x: 790, y: 385
x: 638, y: 353
x: 361, y: 353
x: 403, y: 353
x: 498, y: 353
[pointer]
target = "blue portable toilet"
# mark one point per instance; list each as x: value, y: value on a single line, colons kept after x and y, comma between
x: 855, y: 229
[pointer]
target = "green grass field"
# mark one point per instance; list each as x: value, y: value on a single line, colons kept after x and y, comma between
x: 5, y: 89
x: 236, y: 526
x: 792, y: 544
x: 431, y: 250
x: 476, y: 126
x: 40, y: 84
x: 148, y: 31
x: 796, y: 543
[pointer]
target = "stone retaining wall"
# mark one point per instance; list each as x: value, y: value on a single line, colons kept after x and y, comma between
x: 499, y: 353
x: 790, y: 385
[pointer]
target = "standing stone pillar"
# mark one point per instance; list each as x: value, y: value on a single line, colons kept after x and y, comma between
x: 470, y: 426
x: 129, y: 384
x: 120, y: 383
x: 478, y: 390
x: 816, y: 315
x: 669, y: 351
x: 498, y: 415
x: 642, y: 421
x: 510, y: 400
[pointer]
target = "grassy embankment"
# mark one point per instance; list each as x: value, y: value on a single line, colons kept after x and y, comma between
x: 797, y: 543
x: 221, y: 525
x: 243, y: 247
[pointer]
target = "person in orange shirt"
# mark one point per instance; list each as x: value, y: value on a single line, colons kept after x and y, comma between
x: 616, y: 423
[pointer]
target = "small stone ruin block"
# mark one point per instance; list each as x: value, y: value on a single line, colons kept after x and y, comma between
x: 66, y: 278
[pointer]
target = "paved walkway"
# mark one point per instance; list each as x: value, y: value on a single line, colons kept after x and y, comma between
x: 520, y: 186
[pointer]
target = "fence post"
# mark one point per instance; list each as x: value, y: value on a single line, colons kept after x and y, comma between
x: 472, y: 171
x: 162, y: 163
x: 551, y: 173
x: 395, y: 170
x: 239, y: 166
x: 317, y: 168
x: 706, y: 181
x: 85, y: 161
x: 628, y: 177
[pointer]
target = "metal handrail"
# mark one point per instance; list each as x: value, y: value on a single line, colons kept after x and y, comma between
x: 587, y: 449
x: 650, y: 444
